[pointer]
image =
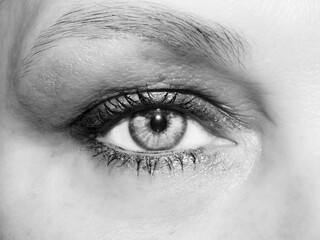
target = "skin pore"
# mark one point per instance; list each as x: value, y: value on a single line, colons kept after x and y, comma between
x: 263, y: 65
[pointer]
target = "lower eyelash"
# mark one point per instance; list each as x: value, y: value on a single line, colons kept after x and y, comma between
x: 151, y: 163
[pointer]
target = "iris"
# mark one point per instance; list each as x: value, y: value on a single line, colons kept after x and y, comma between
x: 157, y: 129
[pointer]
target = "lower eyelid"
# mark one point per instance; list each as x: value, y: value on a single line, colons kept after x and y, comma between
x: 146, y: 163
x: 155, y: 163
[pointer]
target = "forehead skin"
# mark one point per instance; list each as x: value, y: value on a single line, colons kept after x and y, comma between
x: 282, y: 198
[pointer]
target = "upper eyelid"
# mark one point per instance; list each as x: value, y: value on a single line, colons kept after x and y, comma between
x: 95, y: 120
x: 188, y: 22
x: 149, y: 91
x: 140, y: 92
x: 239, y: 42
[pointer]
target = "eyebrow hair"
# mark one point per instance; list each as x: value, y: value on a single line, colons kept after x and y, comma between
x: 182, y: 33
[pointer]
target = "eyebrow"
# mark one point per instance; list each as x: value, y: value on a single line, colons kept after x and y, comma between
x: 182, y: 33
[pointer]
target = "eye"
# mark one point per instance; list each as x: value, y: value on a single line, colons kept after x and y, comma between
x: 160, y: 130
x: 153, y: 130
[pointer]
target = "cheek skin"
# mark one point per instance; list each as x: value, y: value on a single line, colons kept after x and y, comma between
x: 49, y: 183
x: 43, y: 186
x: 58, y: 190
x: 40, y: 186
x: 60, y: 194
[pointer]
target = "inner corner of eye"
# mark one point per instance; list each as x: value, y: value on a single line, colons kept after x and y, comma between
x: 119, y: 135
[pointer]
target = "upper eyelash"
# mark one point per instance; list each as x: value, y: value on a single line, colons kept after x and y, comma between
x: 143, y: 101
x: 103, y: 115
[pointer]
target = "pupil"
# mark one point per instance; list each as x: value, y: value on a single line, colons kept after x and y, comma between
x: 158, y: 123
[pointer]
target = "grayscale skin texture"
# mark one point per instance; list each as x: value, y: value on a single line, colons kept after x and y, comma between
x: 50, y: 188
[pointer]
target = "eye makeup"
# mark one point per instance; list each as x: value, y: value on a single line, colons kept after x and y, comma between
x: 214, y: 117
x: 152, y: 162
x: 107, y: 112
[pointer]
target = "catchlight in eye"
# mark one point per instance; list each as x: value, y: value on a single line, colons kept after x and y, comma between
x: 159, y: 130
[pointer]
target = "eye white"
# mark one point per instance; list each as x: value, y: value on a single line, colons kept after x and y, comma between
x: 195, y: 136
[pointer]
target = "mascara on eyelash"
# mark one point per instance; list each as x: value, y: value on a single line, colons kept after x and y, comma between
x: 151, y: 163
x: 111, y: 110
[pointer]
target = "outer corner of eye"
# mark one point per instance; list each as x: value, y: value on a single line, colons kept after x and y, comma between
x: 197, y: 136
